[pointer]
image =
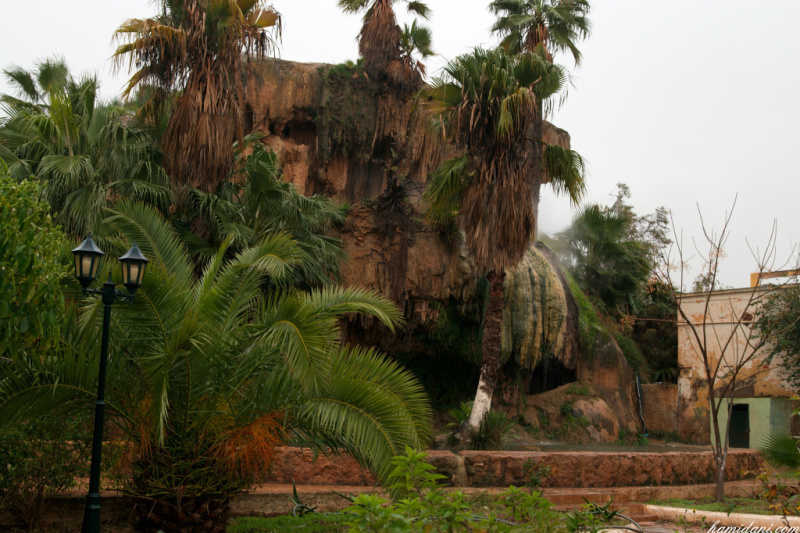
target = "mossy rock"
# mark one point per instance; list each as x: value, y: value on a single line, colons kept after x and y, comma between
x: 535, y: 315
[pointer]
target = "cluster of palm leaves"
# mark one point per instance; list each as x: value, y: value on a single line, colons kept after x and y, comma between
x: 552, y: 25
x: 208, y: 374
x: 86, y: 154
x: 604, y: 258
x: 261, y: 203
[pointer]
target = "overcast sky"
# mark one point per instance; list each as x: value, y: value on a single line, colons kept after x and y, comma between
x: 688, y: 103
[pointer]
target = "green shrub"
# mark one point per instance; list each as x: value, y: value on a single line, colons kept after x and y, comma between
x: 412, y: 474
x: 37, y: 462
x: 781, y: 450
x: 632, y: 353
x: 490, y: 434
x: 536, y: 474
x: 33, y: 261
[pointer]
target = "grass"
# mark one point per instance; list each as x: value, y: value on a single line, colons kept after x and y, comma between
x: 730, y: 505
x: 311, y: 523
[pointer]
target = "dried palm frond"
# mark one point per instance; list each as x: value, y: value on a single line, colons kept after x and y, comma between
x: 248, y: 450
x: 200, y: 49
x: 379, y: 40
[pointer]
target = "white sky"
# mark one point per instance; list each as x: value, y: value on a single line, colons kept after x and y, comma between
x: 688, y: 102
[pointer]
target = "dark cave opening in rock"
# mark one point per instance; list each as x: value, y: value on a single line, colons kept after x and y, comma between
x: 300, y: 131
x: 550, y: 374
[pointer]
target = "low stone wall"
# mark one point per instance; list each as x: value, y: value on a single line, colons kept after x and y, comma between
x: 603, y: 469
x: 550, y: 469
x: 660, y: 402
x: 303, y: 467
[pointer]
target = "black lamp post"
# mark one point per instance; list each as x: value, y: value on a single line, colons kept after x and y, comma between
x: 87, y: 260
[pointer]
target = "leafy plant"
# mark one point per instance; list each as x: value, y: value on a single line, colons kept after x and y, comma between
x: 593, y: 517
x: 535, y: 473
x: 372, y: 514
x: 493, y: 429
x: 777, y: 320
x: 781, y: 450
x: 488, y: 103
x: 439, y: 511
x: 86, y: 154
x: 382, y: 42
x: 782, y: 498
x: 40, y: 459
x: 33, y: 263
x: 259, y: 203
x: 411, y: 474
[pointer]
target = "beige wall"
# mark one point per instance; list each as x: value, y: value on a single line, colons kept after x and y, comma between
x: 756, y: 380
x: 660, y: 408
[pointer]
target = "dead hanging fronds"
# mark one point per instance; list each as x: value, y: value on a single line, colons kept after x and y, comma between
x: 488, y: 104
x: 390, y: 53
x: 248, y: 450
x: 199, y: 49
x: 380, y: 37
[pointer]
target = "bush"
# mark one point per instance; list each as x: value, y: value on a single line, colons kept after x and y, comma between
x: 491, y: 432
x: 38, y: 462
x: 412, y: 473
x: 33, y: 261
x: 781, y: 450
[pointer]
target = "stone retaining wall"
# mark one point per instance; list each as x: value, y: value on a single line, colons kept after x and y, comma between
x: 660, y: 402
x: 550, y: 469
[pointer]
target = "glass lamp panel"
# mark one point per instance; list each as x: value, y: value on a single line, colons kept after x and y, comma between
x: 133, y: 273
x: 88, y: 269
x: 95, y: 265
x: 140, y: 273
x: 78, y: 266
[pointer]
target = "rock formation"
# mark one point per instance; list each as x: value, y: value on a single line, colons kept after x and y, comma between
x: 343, y: 135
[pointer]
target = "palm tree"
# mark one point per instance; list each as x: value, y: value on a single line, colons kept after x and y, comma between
x: 381, y: 41
x: 86, y: 154
x: 208, y: 375
x: 259, y: 204
x: 488, y: 102
x: 198, y: 48
x: 34, y: 87
x: 607, y: 259
x: 551, y: 25
x: 415, y: 39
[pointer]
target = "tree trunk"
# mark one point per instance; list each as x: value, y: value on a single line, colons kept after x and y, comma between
x: 719, y: 489
x: 492, y: 331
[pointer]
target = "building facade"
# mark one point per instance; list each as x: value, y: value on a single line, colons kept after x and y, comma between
x: 762, y: 398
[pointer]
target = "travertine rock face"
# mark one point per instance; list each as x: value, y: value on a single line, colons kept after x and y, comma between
x: 536, y: 317
x: 339, y: 134
x: 346, y: 146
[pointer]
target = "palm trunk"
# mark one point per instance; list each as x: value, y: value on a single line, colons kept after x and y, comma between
x: 492, y: 331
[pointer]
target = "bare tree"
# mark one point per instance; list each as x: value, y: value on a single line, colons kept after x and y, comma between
x: 723, y: 354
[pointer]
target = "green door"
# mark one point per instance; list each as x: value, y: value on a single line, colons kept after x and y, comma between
x: 740, y: 426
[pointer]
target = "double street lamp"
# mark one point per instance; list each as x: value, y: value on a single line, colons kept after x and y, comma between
x: 87, y: 260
